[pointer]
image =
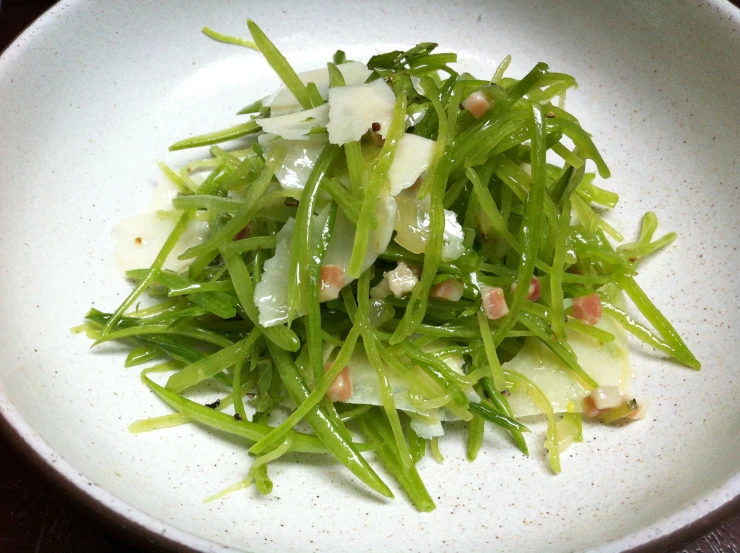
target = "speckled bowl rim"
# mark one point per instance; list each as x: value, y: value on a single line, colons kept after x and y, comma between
x: 149, y: 531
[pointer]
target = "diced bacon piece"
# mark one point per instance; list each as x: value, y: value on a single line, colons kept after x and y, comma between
x: 587, y: 308
x: 378, y: 140
x: 589, y: 408
x: 606, y: 397
x: 477, y: 104
x: 450, y: 289
x: 243, y: 233
x: 494, y: 302
x: 341, y: 387
x: 640, y: 412
x: 332, y: 281
x: 402, y: 279
x: 534, y: 289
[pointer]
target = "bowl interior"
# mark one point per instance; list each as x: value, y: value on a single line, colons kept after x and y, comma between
x: 94, y: 93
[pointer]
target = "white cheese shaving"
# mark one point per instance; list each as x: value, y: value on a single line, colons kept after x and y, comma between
x: 163, y: 194
x: 412, y: 228
x: 283, y: 101
x: 271, y: 292
x: 366, y: 389
x: 300, y: 157
x: 339, y: 251
x: 412, y: 158
x: 354, y: 109
x: 295, y: 126
x: 137, y: 241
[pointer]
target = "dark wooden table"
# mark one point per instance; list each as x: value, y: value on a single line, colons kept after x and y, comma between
x: 36, y: 516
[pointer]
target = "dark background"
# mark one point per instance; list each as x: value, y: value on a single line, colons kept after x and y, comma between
x: 38, y: 517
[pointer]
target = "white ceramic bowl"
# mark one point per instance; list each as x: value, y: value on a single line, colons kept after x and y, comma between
x: 94, y: 92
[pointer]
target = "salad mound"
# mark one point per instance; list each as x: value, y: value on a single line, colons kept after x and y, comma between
x: 380, y: 248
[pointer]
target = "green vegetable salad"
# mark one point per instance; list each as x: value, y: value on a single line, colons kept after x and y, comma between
x: 381, y: 248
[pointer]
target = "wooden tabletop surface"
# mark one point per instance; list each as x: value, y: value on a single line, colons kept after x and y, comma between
x: 38, y: 517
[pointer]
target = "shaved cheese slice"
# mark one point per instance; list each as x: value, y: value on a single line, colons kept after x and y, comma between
x: 366, y: 389
x: 137, y: 241
x: 163, y: 195
x: 354, y: 109
x: 412, y: 158
x: 416, y: 83
x: 427, y: 429
x: 339, y: 251
x: 283, y: 101
x: 296, y: 126
x: 271, y: 292
x: 606, y: 363
x: 412, y: 228
x: 300, y: 157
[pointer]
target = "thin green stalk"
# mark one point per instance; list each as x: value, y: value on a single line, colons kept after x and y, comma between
x: 641, y: 332
x: 557, y: 308
x: 326, y: 430
x: 436, y: 183
x: 212, y: 203
x: 500, y: 70
x: 389, y: 405
x: 488, y: 412
x: 245, y: 213
x: 590, y: 330
x: 164, y: 330
x: 488, y: 205
x: 500, y: 403
x: 335, y: 75
x: 176, y: 179
x: 226, y: 423
x: 167, y: 248
x: 353, y: 153
x: 417, y: 445
x: 237, y: 393
x: 314, y: 286
x: 375, y: 184
x: 655, y: 317
x: 229, y: 39
x: 476, y: 429
x: 517, y: 379
x: 434, y: 448
x: 215, y: 363
x: 409, y: 480
x: 314, y: 397
x: 250, y: 244
x: 280, y: 65
x: 301, y: 247
x: 531, y: 230
x: 216, y: 137
x: 349, y: 202
x: 438, y: 371
x: 497, y: 374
